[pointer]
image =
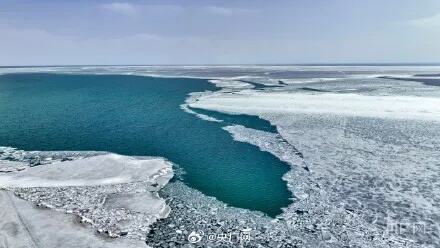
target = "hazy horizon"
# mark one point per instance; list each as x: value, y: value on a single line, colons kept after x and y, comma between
x: 247, y: 64
x: 172, y: 32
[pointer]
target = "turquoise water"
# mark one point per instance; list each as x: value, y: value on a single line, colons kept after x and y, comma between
x: 135, y: 115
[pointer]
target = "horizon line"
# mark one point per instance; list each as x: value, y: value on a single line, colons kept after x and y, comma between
x: 244, y: 64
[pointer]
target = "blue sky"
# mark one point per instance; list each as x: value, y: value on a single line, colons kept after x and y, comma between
x: 218, y: 32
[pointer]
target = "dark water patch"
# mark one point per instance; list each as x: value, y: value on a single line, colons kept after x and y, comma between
x: 249, y: 121
x: 313, y: 89
x: 259, y: 86
x: 136, y: 115
x: 338, y: 90
x: 427, y: 75
x: 425, y: 81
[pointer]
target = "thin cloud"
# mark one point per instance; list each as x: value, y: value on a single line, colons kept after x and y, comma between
x: 430, y: 21
x: 165, y: 8
x: 128, y: 9
x: 120, y: 8
x: 229, y: 11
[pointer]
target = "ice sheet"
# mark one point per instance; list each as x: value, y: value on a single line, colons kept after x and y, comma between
x: 397, y: 107
x: 23, y: 225
x: 97, y: 170
x: 370, y: 158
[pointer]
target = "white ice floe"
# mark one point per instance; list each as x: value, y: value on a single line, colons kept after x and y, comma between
x: 193, y: 97
x: 398, y: 107
x: 11, y: 166
x: 113, y: 194
x: 231, y: 84
x: 92, y: 171
x: 269, y: 142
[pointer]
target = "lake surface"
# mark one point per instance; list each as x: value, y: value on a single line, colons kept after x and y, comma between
x: 134, y: 115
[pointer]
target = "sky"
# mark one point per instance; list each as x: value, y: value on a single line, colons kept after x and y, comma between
x: 59, y: 32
